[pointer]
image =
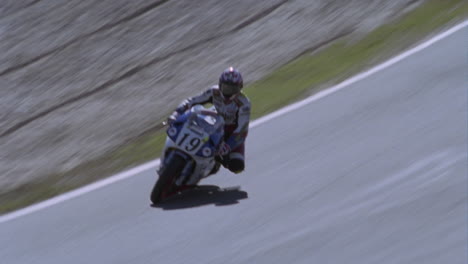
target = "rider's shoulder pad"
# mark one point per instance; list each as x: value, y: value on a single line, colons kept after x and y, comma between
x: 243, y: 100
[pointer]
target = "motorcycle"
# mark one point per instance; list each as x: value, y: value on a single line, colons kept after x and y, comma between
x: 192, y: 143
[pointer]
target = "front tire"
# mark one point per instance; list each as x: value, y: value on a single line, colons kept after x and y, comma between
x: 165, y: 184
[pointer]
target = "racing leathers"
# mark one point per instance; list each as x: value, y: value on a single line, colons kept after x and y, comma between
x: 236, y: 113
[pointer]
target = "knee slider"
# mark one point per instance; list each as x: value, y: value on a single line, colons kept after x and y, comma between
x: 236, y: 165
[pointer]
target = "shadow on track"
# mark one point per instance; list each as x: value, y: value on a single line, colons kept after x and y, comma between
x: 203, y: 195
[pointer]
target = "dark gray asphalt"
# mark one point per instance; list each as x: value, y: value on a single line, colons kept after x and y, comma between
x: 374, y: 173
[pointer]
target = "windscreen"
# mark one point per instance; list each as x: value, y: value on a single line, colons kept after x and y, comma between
x: 207, y: 120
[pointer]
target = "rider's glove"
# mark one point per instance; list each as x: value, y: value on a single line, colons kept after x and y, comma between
x: 182, y: 108
x: 172, y: 118
x: 224, y: 149
x: 179, y: 110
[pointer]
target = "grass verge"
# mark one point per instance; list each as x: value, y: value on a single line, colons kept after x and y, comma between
x: 305, y: 75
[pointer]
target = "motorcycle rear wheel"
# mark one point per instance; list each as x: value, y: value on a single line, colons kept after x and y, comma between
x: 165, y: 184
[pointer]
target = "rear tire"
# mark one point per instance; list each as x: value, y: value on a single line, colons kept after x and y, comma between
x: 165, y: 184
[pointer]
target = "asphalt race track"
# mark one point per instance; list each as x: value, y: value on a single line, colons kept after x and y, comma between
x: 373, y: 173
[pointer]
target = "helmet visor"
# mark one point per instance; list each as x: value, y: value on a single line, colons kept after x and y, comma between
x: 230, y: 89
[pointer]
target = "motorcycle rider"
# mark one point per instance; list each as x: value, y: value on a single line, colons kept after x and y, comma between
x: 234, y: 107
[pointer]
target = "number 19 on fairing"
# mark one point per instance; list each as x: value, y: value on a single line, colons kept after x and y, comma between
x: 189, y: 143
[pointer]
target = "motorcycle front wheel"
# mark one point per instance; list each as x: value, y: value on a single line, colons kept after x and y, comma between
x: 165, y: 184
